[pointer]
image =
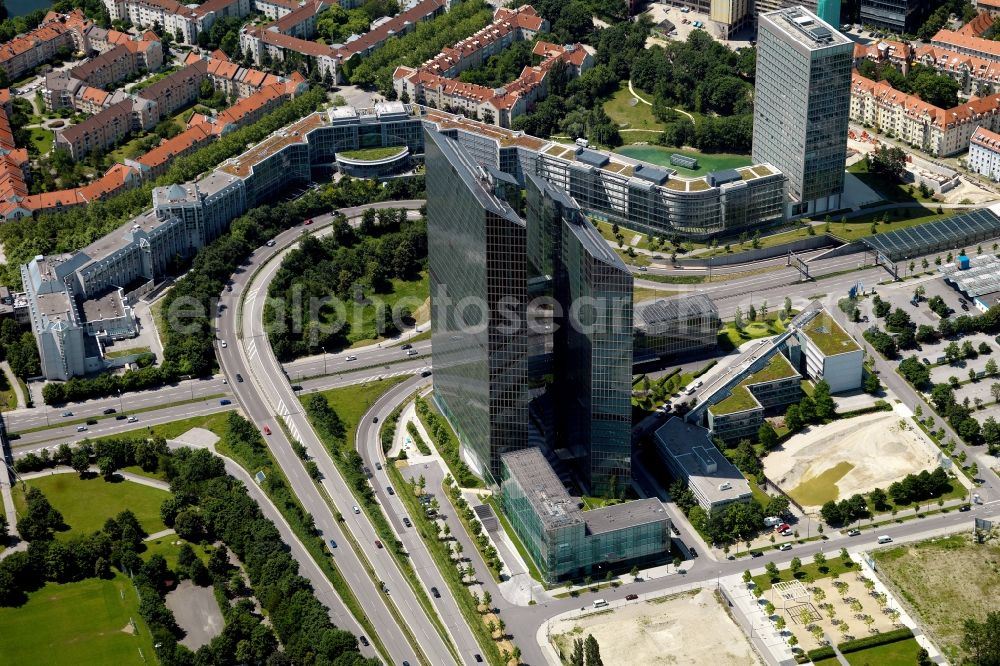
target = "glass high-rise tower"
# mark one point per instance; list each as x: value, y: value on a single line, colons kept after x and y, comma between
x: 802, y: 105
x: 581, y: 339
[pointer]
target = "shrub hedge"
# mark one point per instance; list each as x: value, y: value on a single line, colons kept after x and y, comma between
x: 878, y: 639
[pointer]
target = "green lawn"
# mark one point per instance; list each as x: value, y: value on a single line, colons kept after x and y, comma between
x: 170, y: 547
x: 410, y: 293
x: 214, y: 422
x: 771, y: 240
x: 118, y: 353
x: 707, y: 162
x: 834, y: 565
x: 860, y: 227
x: 42, y: 139
x: 77, y: 624
x: 8, y: 398
x: 640, y: 294
x: 371, y: 154
x: 730, y: 338
x: 86, y: 504
x: 632, y: 116
x: 900, y: 653
x: 823, y: 488
x: 352, y: 402
x: 899, y: 192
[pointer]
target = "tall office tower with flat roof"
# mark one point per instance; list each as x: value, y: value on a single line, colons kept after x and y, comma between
x: 478, y: 283
x: 801, y: 106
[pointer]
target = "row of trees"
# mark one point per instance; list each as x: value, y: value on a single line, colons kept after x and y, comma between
x: 924, y: 82
x: 344, y: 268
x: 335, y: 24
x: 17, y: 347
x: 811, y: 409
x: 445, y: 443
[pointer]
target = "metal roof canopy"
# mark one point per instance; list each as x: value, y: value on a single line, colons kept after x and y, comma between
x: 948, y: 234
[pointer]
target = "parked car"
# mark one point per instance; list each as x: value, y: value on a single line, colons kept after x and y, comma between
x: 782, y: 527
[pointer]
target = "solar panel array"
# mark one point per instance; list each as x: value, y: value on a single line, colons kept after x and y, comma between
x: 949, y: 234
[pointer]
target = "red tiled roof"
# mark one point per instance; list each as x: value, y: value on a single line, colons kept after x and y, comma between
x: 170, y: 148
x: 978, y: 26
x: 950, y: 38
x: 951, y: 61
x: 914, y: 106
x: 986, y: 138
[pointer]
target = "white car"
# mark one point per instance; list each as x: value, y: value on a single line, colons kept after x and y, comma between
x: 133, y: 419
x: 785, y: 546
x: 351, y: 358
x: 224, y: 345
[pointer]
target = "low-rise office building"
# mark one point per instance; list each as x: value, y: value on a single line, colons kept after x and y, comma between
x: 741, y: 414
x: 689, y: 453
x: 830, y: 354
x: 667, y: 327
x: 566, y: 542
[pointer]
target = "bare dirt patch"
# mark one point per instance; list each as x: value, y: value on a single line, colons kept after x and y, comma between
x: 944, y: 582
x: 849, y: 456
x: 663, y: 631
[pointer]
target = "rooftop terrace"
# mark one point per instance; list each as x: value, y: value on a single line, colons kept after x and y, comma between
x: 740, y: 400
x: 828, y: 336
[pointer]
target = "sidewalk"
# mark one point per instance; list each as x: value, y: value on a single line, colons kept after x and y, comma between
x: 15, y: 385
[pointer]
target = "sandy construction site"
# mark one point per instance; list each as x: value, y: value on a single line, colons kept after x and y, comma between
x: 688, y: 628
x: 850, y: 456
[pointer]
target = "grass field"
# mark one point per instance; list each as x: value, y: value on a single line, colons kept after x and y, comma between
x: 42, y: 139
x: 409, y: 293
x: 822, y: 488
x: 640, y: 294
x: 771, y: 240
x: 898, y: 192
x: 707, y: 162
x: 86, y: 504
x: 945, y: 581
x: 730, y: 338
x: 77, y: 624
x: 834, y: 565
x: 371, y: 154
x: 352, y: 402
x: 900, y: 653
x: 8, y: 398
x: 636, y: 116
x: 170, y: 547
x: 860, y: 227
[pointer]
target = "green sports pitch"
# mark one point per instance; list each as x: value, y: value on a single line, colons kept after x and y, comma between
x: 84, y: 623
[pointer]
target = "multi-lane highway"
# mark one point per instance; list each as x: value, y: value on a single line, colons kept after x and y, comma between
x: 267, y: 395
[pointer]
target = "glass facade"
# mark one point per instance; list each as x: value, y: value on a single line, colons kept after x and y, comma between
x: 565, y: 542
x: 802, y: 104
x: 478, y: 282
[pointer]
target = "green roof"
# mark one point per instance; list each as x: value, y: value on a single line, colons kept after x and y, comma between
x: 828, y: 336
x: 741, y: 399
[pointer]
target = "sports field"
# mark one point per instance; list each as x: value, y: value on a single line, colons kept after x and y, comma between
x: 86, y: 504
x: 77, y: 624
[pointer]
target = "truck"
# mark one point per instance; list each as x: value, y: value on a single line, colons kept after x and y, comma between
x: 772, y: 521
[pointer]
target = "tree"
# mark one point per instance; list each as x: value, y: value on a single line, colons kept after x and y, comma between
x: 81, y: 460
x: 982, y: 639
x: 887, y: 161
x: 793, y: 421
x: 872, y: 384
x: 746, y: 576
x: 879, y: 499
x: 767, y: 436
x: 772, y: 570
x: 795, y: 565
x: 576, y: 657
x: 820, y: 560
x: 593, y: 651
x: 823, y: 401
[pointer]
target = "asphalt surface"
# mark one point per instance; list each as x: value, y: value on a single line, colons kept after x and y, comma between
x: 265, y: 395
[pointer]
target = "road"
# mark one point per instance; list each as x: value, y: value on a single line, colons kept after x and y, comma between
x: 264, y: 395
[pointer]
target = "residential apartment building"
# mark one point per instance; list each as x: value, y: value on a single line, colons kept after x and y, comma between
x: 941, y: 132
x: 967, y: 44
x: 57, y: 33
x: 984, y: 153
x: 668, y: 327
x: 975, y: 76
x: 801, y: 106
x: 566, y: 542
x: 689, y: 453
x: 435, y: 82
x: 99, y: 132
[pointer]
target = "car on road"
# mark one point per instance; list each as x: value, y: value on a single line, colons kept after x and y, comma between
x: 378, y: 465
x: 434, y: 591
x: 239, y: 378
x: 631, y: 597
x: 478, y: 657
x: 425, y: 373
x: 374, y: 419
x: 853, y: 532
x: 133, y: 419
x: 308, y: 222
x: 407, y: 346
x: 363, y: 641
x: 120, y: 417
x: 224, y: 402
x: 266, y: 429
x: 81, y: 428
x: 389, y: 490
x: 378, y: 543
x: 356, y: 509
x: 67, y: 413
x: 333, y: 544
x: 110, y: 410
x: 224, y: 344
x: 965, y: 507
x: 785, y: 546
x: 885, y: 539
x: 412, y: 352
x: 91, y: 421
x: 270, y: 243
x: 406, y: 521
x: 756, y: 553
x: 351, y: 358
x: 296, y: 387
